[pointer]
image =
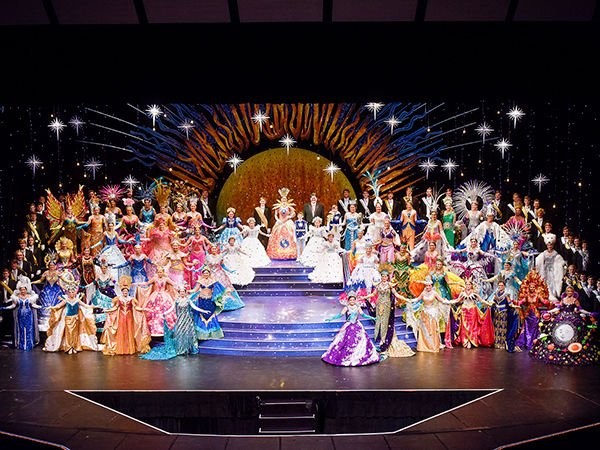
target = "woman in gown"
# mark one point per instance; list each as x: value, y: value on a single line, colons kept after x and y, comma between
x: 65, y: 253
x: 316, y: 242
x: 130, y: 228
x: 180, y: 219
x: 449, y: 221
x: 475, y: 326
x: 147, y: 215
x: 580, y: 347
x: 402, y: 270
x: 252, y: 246
x: 95, y: 226
x: 408, y: 224
x: 376, y: 222
x: 387, y: 242
x: 181, y: 339
x: 158, y: 243
x: 208, y: 296
x: 434, y: 233
x: 424, y: 315
x: 506, y: 319
x: 138, y: 263
x: 351, y: 346
x: 518, y: 258
x: 197, y: 245
x: 126, y: 329
x: 335, y: 222
x: 238, y: 262
x: 533, y: 297
x: 508, y: 276
x: 384, y: 297
x: 231, y: 226
x: 87, y: 269
x: 50, y: 293
x: 156, y: 296
x: 71, y: 328
x: 104, y: 291
x: 24, y: 303
x: 176, y: 263
x: 194, y: 218
x: 366, y: 273
x: 352, y: 221
x: 214, y: 262
x: 358, y: 248
x: 112, y: 253
x: 329, y: 268
x: 282, y: 242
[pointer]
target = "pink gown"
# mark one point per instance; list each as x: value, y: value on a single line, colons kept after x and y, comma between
x: 159, y: 301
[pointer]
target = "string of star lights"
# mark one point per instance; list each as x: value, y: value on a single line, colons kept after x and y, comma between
x: 503, y: 145
x: 449, y: 166
x: 76, y: 123
x: 331, y: 169
x: 346, y: 132
x: 483, y: 130
x: 33, y: 163
x: 130, y: 182
x: 92, y: 165
x: 427, y: 166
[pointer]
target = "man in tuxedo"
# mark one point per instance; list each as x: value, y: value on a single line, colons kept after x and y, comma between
x: 313, y: 209
x: 38, y: 255
x: 262, y: 215
x: 428, y: 204
x: 344, y: 202
x: 23, y: 264
x: 206, y: 209
x: 391, y: 206
x: 37, y: 229
x: 365, y: 206
x: 28, y: 254
x: 15, y: 272
x: 500, y: 214
x: 7, y: 287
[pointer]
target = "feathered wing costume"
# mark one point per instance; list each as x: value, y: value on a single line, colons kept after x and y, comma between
x: 60, y: 224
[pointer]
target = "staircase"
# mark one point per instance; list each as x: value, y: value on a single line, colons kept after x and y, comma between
x: 288, y: 416
x: 285, y: 316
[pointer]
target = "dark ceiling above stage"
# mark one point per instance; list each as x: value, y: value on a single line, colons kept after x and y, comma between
x: 104, y: 12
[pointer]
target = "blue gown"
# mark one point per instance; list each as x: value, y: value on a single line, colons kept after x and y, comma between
x: 103, y: 298
x: 48, y: 297
x: 26, y: 327
x: 212, y: 304
x: 351, y: 232
x: 114, y: 257
x: 231, y: 229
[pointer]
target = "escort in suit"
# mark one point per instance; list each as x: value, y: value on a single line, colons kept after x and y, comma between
x: 392, y: 206
x: 262, y: 215
x: 365, y: 206
x: 313, y: 209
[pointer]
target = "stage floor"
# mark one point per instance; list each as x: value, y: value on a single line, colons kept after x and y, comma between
x: 532, y: 400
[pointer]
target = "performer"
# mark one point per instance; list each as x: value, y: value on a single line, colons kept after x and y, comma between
x: 231, y: 226
x: 391, y: 207
x: 282, y: 242
x: 138, y: 262
x: 214, y: 262
x: 180, y: 220
x: 24, y: 303
x: 366, y: 274
x: 197, y: 244
x: 253, y: 247
x: 402, y: 270
x: 50, y: 293
x: 473, y: 217
x: 301, y: 232
x: 37, y: 229
x: 509, y: 278
x: 111, y: 252
x: 103, y: 293
x: 408, y: 220
x: 506, y: 318
x: 262, y: 217
x: 156, y: 296
x: 352, y: 222
x: 206, y: 210
x: 95, y: 225
x: 365, y: 207
x: 424, y: 317
x: 551, y: 267
x: 429, y: 203
x: 475, y: 326
x: 351, y: 346
x: 344, y: 202
x: 313, y: 209
x: 147, y: 215
x: 329, y: 268
x: 237, y: 261
x: 208, y: 296
x: 335, y: 222
x: 449, y: 221
x: 376, y: 222
x: 126, y: 330
x: 499, y: 207
x: 358, y: 248
x: 387, y: 242
x: 316, y: 241
x: 181, y: 339
x: 71, y: 328
x: 176, y: 262
x: 533, y: 296
x: 384, y: 297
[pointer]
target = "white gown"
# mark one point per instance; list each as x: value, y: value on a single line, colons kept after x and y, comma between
x: 366, y: 273
x: 252, y: 246
x: 329, y: 268
x: 239, y: 263
x: 315, y: 246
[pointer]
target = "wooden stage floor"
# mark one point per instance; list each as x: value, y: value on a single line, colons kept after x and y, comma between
x: 533, y: 399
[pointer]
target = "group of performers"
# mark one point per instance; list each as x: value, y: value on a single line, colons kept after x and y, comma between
x: 458, y: 275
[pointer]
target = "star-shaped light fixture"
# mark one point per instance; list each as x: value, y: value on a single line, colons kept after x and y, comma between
x: 331, y: 169
x: 130, y: 181
x: 186, y: 126
x: 540, y: 180
x: 57, y: 126
x: 287, y: 141
x: 92, y: 165
x: 450, y: 166
x: 76, y: 123
x: 33, y: 162
x: 483, y: 130
x: 427, y: 166
x: 374, y: 108
x: 260, y: 118
x: 503, y: 145
x: 153, y: 111
x: 234, y: 162
x: 392, y: 122
x: 515, y: 114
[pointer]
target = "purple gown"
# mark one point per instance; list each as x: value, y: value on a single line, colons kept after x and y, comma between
x: 352, y: 346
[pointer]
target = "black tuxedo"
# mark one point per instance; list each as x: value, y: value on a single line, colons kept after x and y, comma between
x: 263, y: 217
x: 309, y: 215
x: 344, y: 205
x: 27, y: 268
x: 207, y: 211
x: 394, y: 211
x: 38, y: 230
x: 365, y: 210
x: 6, y: 317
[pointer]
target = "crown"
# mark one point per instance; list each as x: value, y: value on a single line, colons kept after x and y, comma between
x: 284, y: 192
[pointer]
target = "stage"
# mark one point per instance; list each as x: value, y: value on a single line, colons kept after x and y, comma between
x: 516, y: 398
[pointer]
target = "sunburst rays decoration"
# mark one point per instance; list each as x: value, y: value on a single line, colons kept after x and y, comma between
x: 345, y: 131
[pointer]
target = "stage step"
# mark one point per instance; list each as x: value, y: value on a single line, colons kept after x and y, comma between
x: 306, y: 291
x: 287, y: 416
x: 261, y: 285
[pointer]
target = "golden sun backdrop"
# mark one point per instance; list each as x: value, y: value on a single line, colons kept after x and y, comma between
x: 302, y: 172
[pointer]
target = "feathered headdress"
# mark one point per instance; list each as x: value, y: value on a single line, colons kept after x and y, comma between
x: 374, y: 185
x: 162, y: 193
x: 470, y: 192
x: 111, y: 192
